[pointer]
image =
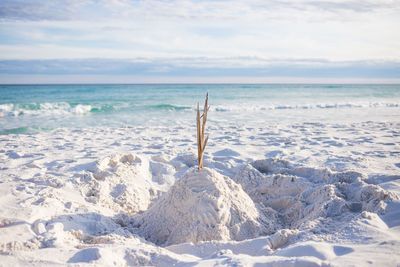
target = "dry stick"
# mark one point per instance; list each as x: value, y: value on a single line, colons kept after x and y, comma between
x: 198, y: 136
x: 201, y: 141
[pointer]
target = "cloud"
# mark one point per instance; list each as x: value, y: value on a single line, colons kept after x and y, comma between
x: 339, y: 5
x: 374, y: 37
x: 330, y: 38
x: 39, y: 10
x: 107, y: 9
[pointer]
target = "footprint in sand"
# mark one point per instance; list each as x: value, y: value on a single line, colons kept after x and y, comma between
x: 13, y: 155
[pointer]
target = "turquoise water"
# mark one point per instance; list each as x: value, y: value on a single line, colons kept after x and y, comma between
x: 30, y: 108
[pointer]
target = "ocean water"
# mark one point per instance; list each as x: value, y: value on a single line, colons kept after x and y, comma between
x: 32, y: 108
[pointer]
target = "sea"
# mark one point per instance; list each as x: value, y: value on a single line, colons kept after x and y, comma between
x: 26, y: 109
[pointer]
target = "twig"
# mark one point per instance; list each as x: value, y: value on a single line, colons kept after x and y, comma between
x: 201, y: 126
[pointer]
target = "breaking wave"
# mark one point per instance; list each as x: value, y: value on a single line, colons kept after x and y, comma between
x: 42, y: 109
x: 234, y: 108
x: 64, y: 108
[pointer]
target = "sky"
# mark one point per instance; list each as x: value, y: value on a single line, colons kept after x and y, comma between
x: 133, y: 41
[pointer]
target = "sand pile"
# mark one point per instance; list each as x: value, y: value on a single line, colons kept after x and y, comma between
x: 121, y: 182
x: 301, y: 194
x: 204, y: 206
x: 263, y: 197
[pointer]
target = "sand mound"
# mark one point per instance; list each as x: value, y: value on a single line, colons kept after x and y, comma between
x: 121, y: 182
x: 204, y: 206
x: 301, y: 194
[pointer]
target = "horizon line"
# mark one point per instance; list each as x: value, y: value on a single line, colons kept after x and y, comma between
x: 209, y: 83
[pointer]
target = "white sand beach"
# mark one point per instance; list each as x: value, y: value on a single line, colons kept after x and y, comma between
x: 273, y: 194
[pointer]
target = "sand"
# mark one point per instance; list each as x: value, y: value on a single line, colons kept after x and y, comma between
x: 300, y: 194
